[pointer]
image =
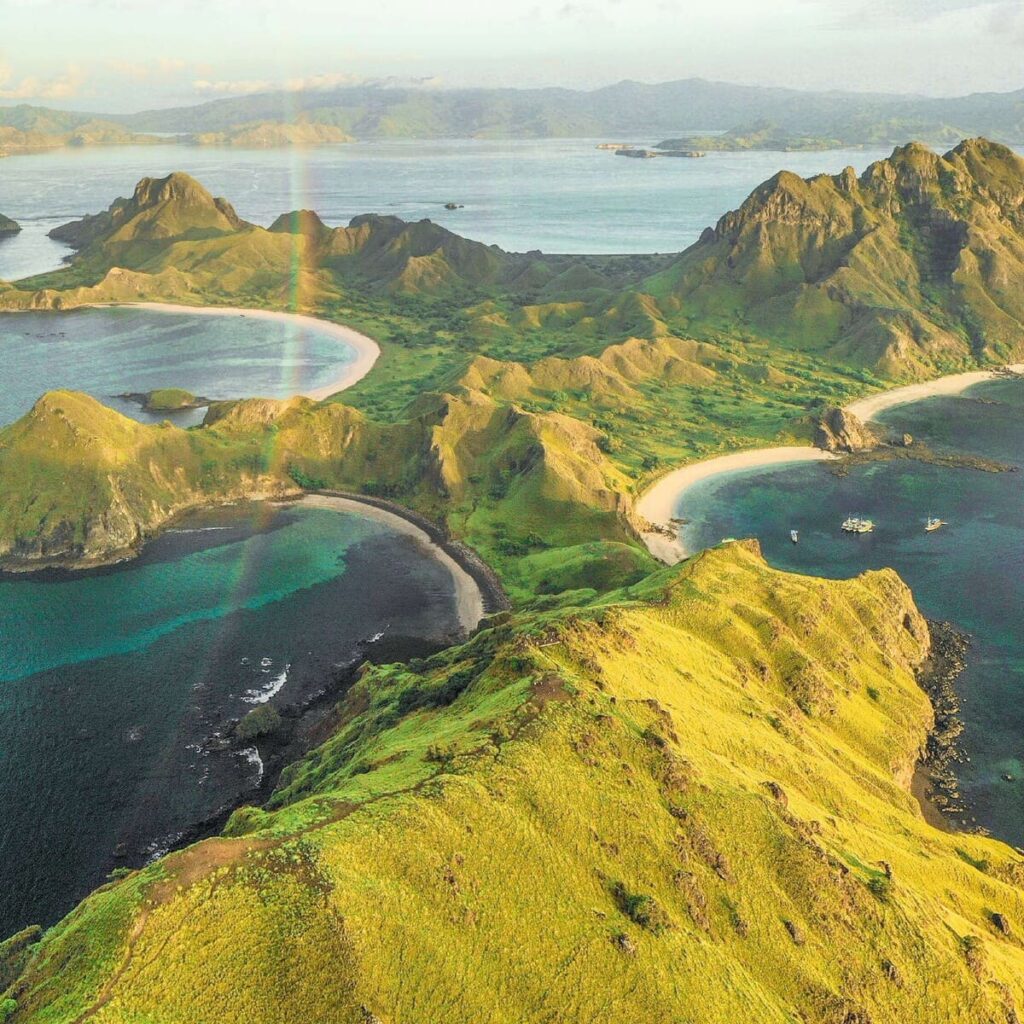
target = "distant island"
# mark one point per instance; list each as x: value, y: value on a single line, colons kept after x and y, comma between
x: 748, y: 118
x: 273, y: 135
x: 771, y: 136
x: 166, y: 400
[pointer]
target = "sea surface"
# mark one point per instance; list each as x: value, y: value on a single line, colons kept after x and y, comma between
x: 970, y: 572
x: 111, y: 352
x: 560, y: 195
x: 117, y: 686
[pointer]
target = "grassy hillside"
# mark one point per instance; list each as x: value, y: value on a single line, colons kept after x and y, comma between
x: 915, y: 265
x: 644, y: 794
x: 84, y: 484
x: 542, y: 825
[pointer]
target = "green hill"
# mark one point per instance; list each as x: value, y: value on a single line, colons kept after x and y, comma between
x: 273, y: 135
x: 542, y: 825
x: 916, y: 264
x: 643, y: 794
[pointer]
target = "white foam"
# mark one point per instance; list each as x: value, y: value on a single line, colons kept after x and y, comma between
x: 262, y: 694
x: 252, y: 755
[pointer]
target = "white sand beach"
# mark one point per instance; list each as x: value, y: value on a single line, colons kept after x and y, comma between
x: 954, y: 384
x: 664, y: 500
x: 469, y: 600
x: 366, y: 349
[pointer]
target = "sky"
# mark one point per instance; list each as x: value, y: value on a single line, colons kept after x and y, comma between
x: 124, y: 55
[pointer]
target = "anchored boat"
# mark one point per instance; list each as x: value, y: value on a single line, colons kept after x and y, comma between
x: 858, y: 524
x: 794, y: 536
x: 932, y: 524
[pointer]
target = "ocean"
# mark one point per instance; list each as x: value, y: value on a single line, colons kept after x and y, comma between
x: 559, y: 195
x: 115, y: 351
x: 970, y: 572
x: 118, y: 685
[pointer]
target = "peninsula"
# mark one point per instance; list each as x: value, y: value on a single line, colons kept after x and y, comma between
x: 704, y: 765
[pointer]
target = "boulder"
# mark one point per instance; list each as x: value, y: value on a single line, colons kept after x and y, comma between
x: 841, y: 431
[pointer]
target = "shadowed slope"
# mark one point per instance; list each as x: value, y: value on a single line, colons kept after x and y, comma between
x: 686, y: 807
x: 916, y: 264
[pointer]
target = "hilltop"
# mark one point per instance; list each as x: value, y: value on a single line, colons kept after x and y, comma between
x: 175, y: 207
x: 272, y: 135
x: 541, y: 825
x: 915, y: 264
x: 389, y: 110
x: 641, y: 793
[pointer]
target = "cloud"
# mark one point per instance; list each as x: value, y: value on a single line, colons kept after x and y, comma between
x: 143, y: 71
x: 33, y: 87
x: 323, y: 82
x: 864, y: 13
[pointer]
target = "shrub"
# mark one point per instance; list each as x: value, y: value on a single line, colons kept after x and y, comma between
x: 440, y: 753
x: 880, y: 887
x: 643, y: 910
x: 7, y: 1009
x: 261, y: 721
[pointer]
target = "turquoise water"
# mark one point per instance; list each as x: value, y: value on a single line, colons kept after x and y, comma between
x: 116, y: 685
x: 970, y: 572
x: 110, y: 352
x: 558, y: 195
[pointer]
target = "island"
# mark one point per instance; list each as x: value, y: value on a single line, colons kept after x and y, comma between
x: 8, y: 226
x: 685, y: 790
x: 272, y: 135
x: 166, y: 400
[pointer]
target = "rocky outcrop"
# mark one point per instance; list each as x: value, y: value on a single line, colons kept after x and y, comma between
x: 8, y: 226
x: 916, y: 262
x: 841, y: 431
x: 160, y: 208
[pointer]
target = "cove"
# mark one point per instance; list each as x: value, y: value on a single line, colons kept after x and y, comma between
x: 116, y: 350
x: 118, y: 687
x: 970, y: 572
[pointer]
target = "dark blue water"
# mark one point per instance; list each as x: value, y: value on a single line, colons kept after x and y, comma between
x: 110, y: 352
x: 559, y: 195
x: 115, y: 686
x: 970, y: 572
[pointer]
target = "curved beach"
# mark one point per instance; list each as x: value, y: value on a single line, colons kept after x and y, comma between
x: 661, y: 503
x: 366, y: 349
x: 954, y: 384
x: 469, y: 599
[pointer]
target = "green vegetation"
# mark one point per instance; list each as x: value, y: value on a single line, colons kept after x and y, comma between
x: 846, y: 133
x: 262, y: 721
x: 169, y: 399
x: 672, y: 825
x: 273, y: 134
x: 644, y: 793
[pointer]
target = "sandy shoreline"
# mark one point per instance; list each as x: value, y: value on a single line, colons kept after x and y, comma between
x: 366, y: 349
x: 660, y: 503
x: 954, y: 384
x: 469, y: 600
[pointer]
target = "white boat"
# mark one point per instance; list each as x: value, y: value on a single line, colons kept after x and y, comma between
x: 932, y: 524
x: 858, y: 524
x: 794, y: 536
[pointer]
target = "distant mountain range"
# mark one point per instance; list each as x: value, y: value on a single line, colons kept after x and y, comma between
x: 755, y: 116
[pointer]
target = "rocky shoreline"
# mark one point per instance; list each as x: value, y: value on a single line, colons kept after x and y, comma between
x: 942, y: 752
